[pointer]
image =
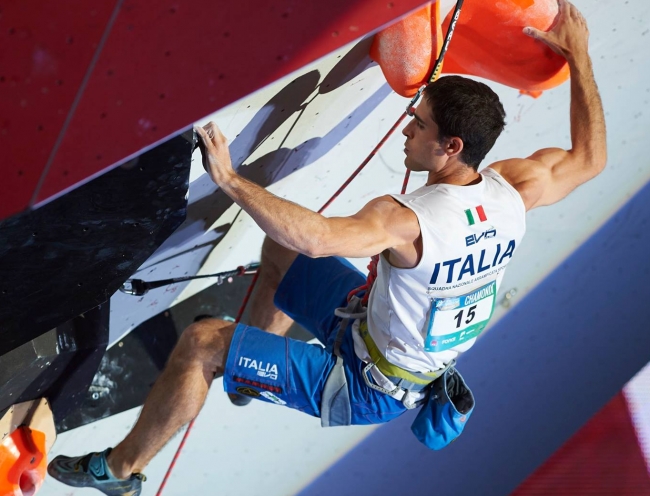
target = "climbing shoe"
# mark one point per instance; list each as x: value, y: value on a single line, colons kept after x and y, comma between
x: 92, y: 470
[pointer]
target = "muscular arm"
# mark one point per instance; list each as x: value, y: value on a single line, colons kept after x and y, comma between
x: 382, y: 224
x: 551, y: 174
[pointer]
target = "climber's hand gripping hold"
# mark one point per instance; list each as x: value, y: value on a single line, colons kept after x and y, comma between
x: 569, y: 36
x: 215, y: 153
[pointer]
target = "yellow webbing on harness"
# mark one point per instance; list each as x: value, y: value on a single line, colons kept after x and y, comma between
x: 387, y: 368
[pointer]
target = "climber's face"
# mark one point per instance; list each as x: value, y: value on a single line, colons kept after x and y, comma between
x: 424, y: 149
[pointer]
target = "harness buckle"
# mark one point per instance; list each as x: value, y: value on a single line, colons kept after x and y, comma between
x: 410, y: 399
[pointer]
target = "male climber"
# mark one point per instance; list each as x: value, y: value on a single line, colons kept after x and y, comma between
x: 451, y: 238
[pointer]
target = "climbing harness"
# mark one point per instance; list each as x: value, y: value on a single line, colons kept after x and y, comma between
x: 379, y: 374
x: 445, y: 401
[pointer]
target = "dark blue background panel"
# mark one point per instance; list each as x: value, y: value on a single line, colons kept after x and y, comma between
x: 538, y: 375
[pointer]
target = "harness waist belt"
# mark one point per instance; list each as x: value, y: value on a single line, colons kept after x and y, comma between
x: 406, y: 379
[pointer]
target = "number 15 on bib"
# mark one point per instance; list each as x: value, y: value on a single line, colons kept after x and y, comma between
x: 453, y: 321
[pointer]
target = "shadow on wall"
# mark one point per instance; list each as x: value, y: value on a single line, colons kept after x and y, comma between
x: 209, y: 203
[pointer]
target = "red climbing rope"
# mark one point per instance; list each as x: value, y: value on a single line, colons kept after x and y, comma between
x: 374, y: 261
x: 363, y: 164
x: 370, y: 280
x: 372, y: 274
x: 191, y: 424
x: 372, y: 267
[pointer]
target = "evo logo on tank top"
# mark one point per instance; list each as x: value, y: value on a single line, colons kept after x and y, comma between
x: 477, y: 263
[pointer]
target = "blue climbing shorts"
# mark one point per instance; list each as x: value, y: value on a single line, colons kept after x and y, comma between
x: 293, y: 373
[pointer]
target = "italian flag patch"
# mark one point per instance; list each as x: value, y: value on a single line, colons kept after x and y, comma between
x: 476, y: 214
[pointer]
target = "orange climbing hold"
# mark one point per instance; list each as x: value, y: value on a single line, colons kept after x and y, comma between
x: 27, y: 433
x: 407, y: 50
x: 23, y: 462
x: 489, y: 43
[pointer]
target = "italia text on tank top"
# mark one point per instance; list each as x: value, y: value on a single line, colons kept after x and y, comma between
x: 469, y: 234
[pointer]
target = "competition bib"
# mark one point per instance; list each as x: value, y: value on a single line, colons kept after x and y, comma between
x: 452, y: 321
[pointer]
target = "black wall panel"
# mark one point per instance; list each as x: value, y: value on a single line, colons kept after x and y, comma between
x: 72, y: 254
x: 58, y: 365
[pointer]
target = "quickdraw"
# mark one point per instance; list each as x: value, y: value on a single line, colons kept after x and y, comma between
x: 138, y: 287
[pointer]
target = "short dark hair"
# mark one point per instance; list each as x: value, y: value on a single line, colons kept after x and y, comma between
x: 469, y: 110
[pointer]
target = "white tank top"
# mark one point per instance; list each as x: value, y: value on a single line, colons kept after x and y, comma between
x: 469, y: 234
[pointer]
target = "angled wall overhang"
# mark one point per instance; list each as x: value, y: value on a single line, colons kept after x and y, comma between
x: 85, y: 86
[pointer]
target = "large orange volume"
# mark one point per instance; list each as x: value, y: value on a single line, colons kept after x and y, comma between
x: 488, y: 42
x: 406, y: 51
